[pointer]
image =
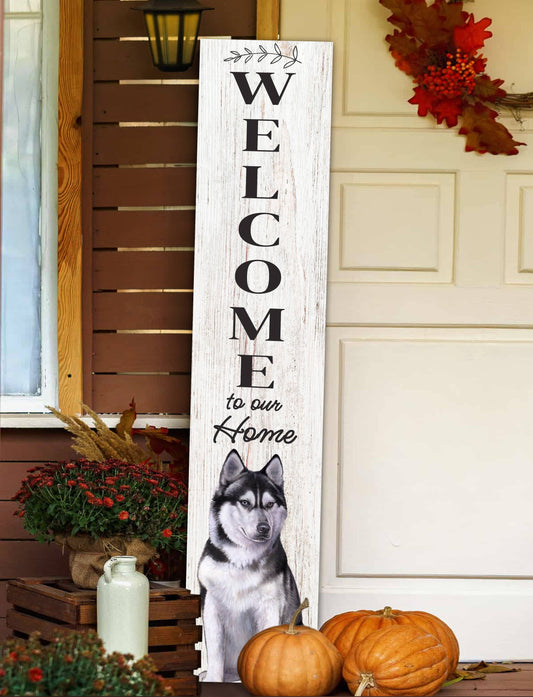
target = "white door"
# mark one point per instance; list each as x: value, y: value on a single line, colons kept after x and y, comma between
x: 428, y: 459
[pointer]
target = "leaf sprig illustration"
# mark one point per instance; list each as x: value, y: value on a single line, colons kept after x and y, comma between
x: 262, y: 54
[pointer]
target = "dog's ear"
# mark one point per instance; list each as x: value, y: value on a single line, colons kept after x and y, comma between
x: 274, y: 471
x: 232, y: 468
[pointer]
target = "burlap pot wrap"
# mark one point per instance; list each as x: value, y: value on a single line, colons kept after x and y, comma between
x: 88, y: 555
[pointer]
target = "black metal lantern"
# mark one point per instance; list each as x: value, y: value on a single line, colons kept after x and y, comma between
x: 172, y: 27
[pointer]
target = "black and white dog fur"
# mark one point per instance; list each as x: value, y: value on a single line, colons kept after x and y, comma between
x: 245, y: 581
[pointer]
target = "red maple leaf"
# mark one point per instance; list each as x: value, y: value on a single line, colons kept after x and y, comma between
x: 484, y: 134
x: 425, y: 100
x: 472, y: 35
x: 448, y: 110
x: 479, y: 64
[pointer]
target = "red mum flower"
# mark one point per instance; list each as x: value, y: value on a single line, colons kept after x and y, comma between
x: 70, y: 466
x: 36, y: 674
x: 71, y: 482
x: 108, y: 503
x: 123, y: 515
x: 83, y: 486
x: 97, y: 502
x: 2, y: 672
x: 167, y: 532
x: 119, y: 498
x: 13, y: 655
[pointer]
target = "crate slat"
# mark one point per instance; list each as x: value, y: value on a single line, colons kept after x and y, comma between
x: 173, y: 636
x: 184, y: 659
x: 43, y: 604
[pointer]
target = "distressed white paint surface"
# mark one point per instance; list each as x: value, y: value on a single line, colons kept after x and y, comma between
x: 300, y: 174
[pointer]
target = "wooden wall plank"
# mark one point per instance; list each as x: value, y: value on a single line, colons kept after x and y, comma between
x: 144, y: 187
x: 166, y: 394
x: 114, y: 19
x: 11, y: 474
x: 114, y: 102
x: 142, y: 270
x: 35, y: 445
x: 69, y: 205
x: 141, y: 353
x: 268, y: 16
x: 142, y: 311
x: 143, y: 228
x: 3, y: 601
x: 11, y: 525
x: 29, y: 558
x: 131, y: 60
x: 144, y: 145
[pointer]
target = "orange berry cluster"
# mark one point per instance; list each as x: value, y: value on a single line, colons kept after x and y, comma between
x: 455, y: 79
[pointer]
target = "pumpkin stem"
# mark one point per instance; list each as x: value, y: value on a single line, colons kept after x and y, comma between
x: 386, y: 612
x: 291, y: 629
x: 367, y: 680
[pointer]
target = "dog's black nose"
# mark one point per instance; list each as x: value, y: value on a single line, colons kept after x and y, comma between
x: 263, y: 528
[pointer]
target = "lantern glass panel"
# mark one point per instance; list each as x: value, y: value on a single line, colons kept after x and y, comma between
x: 149, y: 18
x: 169, y: 31
x: 191, y: 23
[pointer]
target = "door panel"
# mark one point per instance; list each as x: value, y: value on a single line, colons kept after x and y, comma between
x: 429, y: 363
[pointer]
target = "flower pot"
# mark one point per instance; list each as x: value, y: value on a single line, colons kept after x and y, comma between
x: 88, y: 555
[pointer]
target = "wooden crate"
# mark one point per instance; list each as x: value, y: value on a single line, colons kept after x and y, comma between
x: 50, y: 604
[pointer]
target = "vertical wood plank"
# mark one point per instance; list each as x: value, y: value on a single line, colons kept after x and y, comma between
x: 87, y: 300
x: 267, y: 22
x: 69, y: 205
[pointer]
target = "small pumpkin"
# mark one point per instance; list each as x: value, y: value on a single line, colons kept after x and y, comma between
x: 349, y: 628
x: 397, y: 660
x: 290, y: 660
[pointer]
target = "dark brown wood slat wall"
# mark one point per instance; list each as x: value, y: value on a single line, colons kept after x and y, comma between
x: 142, y: 147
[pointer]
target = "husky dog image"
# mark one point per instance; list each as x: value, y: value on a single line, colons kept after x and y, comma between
x: 246, y: 584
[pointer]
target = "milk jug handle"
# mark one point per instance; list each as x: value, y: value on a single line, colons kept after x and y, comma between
x: 108, y: 566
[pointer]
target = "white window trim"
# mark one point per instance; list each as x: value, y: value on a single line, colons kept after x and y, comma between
x: 48, y: 220
x: 111, y: 420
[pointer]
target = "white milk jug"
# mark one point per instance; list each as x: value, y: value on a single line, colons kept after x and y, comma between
x: 122, y: 598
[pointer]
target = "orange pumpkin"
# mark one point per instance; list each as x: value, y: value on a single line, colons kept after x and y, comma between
x: 349, y: 628
x: 397, y: 660
x: 290, y: 660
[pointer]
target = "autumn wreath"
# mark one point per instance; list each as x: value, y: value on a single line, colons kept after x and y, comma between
x: 438, y: 46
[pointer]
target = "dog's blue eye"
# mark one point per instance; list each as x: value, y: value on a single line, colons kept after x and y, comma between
x: 244, y: 503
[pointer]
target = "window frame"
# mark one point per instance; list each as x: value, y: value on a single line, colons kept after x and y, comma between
x: 48, y: 214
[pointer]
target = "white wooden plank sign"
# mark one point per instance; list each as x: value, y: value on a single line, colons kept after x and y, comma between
x: 258, y: 336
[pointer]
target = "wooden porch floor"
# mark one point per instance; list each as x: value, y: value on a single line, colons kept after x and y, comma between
x: 494, y: 685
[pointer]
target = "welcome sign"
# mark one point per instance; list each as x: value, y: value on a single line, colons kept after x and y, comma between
x: 259, y: 309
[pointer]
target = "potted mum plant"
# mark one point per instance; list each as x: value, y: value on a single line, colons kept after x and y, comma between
x: 74, y: 664
x: 102, y: 509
